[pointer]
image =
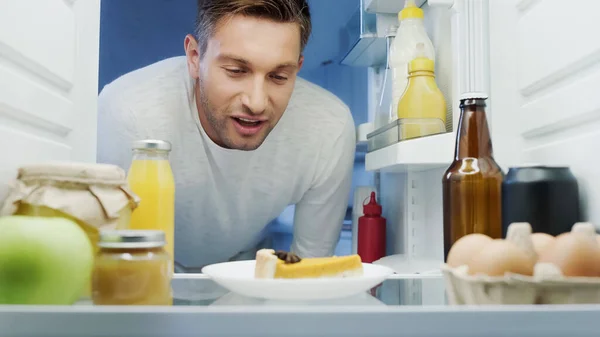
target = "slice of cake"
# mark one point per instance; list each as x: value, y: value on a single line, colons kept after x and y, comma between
x: 272, y: 264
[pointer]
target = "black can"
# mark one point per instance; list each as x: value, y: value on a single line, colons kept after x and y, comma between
x: 546, y: 197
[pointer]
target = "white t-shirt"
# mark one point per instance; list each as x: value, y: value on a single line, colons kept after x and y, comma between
x: 225, y: 198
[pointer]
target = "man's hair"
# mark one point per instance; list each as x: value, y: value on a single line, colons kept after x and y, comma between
x: 211, y: 12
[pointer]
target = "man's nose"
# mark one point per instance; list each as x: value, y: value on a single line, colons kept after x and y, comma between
x: 256, y: 98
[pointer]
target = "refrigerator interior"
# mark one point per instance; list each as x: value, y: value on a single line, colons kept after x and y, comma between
x: 541, y: 76
x: 542, y: 70
x: 411, y: 194
x: 545, y: 76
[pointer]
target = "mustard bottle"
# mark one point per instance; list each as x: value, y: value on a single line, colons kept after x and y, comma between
x: 422, y: 107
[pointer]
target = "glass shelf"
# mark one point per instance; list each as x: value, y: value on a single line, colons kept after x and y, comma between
x: 407, y: 307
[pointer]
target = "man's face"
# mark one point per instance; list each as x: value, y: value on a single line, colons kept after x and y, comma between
x: 244, y: 79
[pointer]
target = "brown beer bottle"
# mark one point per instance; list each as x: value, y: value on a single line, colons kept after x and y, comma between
x: 472, y: 185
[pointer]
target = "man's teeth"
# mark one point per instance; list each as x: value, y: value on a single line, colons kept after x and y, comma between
x: 248, y: 120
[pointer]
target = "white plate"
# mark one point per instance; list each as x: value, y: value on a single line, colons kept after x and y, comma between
x: 238, y: 277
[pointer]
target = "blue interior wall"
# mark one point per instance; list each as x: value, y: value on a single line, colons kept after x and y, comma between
x: 136, y: 33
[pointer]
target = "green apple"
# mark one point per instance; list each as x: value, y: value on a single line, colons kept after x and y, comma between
x: 43, y: 260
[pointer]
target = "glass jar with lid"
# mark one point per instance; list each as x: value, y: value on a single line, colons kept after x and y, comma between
x: 96, y: 196
x: 132, y: 268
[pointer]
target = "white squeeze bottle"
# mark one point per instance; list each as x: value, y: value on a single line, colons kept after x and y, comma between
x: 410, y: 33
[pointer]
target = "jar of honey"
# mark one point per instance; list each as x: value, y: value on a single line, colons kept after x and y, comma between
x: 132, y: 268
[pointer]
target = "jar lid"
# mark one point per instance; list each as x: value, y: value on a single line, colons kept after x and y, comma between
x: 74, y: 172
x: 152, y: 144
x: 131, y: 239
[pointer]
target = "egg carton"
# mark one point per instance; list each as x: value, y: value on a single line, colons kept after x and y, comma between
x: 547, y: 286
x: 518, y: 289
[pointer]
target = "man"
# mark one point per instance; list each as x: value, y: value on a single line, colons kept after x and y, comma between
x: 238, y: 159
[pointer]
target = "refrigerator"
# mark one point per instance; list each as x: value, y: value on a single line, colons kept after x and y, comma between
x: 537, y: 59
x: 538, y: 62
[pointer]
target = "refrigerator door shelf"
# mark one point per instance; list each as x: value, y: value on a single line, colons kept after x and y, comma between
x: 388, y: 6
x: 413, y: 155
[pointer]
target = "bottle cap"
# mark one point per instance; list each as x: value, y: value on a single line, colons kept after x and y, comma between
x: 410, y: 11
x: 473, y: 95
x: 372, y: 208
x: 152, y: 144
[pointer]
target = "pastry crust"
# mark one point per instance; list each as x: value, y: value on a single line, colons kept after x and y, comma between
x: 266, y: 263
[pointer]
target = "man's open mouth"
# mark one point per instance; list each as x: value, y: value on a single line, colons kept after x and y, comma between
x: 247, y: 122
x: 248, y: 127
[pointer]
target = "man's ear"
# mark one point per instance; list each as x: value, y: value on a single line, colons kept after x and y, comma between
x: 192, y: 53
x: 300, y: 62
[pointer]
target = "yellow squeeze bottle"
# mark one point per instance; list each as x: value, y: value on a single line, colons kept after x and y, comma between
x: 422, y: 107
x: 151, y: 178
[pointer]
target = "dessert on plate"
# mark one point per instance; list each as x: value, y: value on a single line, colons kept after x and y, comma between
x: 279, y: 264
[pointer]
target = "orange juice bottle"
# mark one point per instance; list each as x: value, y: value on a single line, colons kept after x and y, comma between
x: 151, y: 178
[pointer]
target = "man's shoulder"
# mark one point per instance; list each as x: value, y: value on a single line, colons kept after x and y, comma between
x: 146, y: 83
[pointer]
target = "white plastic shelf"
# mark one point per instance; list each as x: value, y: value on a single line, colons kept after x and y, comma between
x: 414, y: 155
x: 388, y: 6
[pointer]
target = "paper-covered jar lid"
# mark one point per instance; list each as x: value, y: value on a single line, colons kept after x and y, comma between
x: 93, y: 193
x: 84, y: 173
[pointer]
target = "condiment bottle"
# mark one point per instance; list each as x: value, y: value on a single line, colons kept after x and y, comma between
x: 411, y: 32
x: 151, y: 178
x: 132, y: 268
x: 371, y: 232
x: 472, y: 184
x: 422, y: 106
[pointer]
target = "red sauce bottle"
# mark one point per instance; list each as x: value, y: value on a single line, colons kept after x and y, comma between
x: 371, y: 232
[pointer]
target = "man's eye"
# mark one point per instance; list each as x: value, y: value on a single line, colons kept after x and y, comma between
x: 235, y: 71
x: 279, y: 78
